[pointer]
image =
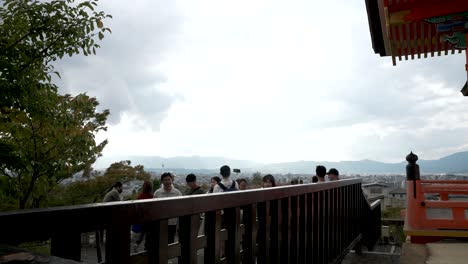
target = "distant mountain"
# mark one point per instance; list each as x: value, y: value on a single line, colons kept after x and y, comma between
x: 193, y: 162
x: 455, y: 163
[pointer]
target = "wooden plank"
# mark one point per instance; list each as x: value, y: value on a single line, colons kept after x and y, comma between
x: 303, y: 230
x: 188, y: 227
x: 340, y: 218
x: 423, y: 39
x: 317, y: 230
x: 294, y: 242
x: 310, y: 228
x: 212, y: 227
x: 263, y: 227
x: 250, y: 235
x: 275, y: 231
x: 285, y: 230
x: 326, y: 225
x: 334, y: 224
x: 118, y: 244
x: 407, y: 41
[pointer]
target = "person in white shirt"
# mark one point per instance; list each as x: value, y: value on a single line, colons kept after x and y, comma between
x: 226, y: 183
x: 168, y: 190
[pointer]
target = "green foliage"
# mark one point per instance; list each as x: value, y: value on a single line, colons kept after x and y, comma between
x: 34, y: 34
x: 257, y: 179
x: 93, y: 189
x: 156, y: 184
x: 50, y: 140
x: 44, y: 137
x: 392, y: 213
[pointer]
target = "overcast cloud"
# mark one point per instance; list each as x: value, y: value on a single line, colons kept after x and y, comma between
x: 268, y: 81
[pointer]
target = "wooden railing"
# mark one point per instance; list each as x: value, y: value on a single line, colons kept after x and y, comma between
x: 309, y: 223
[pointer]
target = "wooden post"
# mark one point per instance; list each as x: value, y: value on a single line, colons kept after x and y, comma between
x: 412, y: 179
x: 118, y: 244
x: 212, y: 228
x: 188, y: 238
x: 249, y: 240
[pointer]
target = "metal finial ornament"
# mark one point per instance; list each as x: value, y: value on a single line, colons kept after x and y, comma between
x: 412, y: 158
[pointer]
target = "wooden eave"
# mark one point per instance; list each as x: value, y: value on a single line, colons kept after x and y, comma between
x: 399, y: 28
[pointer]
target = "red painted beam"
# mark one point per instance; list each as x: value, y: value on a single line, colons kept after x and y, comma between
x: 416, y: 11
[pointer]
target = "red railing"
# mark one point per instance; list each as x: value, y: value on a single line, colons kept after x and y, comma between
x: 444, y: 213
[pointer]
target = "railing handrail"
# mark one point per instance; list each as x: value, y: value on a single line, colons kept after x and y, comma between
x: 445, y: 181
x: 375, y: 203
x: 94, y: 216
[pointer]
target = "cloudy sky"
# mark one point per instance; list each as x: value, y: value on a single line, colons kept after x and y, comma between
x: 267, y: 81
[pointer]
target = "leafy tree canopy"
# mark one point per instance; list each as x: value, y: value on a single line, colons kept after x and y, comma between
x: 52, y: 139
x: 45, y: 137
x: 94, y: 188
x: 34, y: 34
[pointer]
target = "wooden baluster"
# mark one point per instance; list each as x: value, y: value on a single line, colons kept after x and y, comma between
x: 275, y: 231
x: 263, y: 230
x: 341, y: 218
x: 349, y: 223
x: 337, y: 223
x: 332, y: 208
x: 188, y: 233
x: 326, y: 225
x: 118, y: 244
x: 294, y: 242
x: 212, y: 233
x: 285, y: 229
x: 157, y: 241
x: 66, y: 244
x: 233, y: 229
x: 317, y: 231
x: 250, y: 233
x: 303, y: 228
x: 99, y: 234
x: 310, y: 228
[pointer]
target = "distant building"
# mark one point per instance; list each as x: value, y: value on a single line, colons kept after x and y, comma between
x: 398, y: 193
x: 389, y: 196
x: 375, y: 189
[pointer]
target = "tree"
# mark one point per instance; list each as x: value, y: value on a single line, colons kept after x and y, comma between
x: 44, y: 137
x: 50, y: 140
x: 34, y: 34
x: 93, y: 189
x: 257, y: 179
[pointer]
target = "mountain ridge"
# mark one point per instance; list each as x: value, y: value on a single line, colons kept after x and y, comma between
x: 453, y: 163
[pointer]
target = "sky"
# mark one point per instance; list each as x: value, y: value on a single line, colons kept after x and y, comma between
x: 267, y: 81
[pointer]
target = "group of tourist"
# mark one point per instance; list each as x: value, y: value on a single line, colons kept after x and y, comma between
x: 218, y: 185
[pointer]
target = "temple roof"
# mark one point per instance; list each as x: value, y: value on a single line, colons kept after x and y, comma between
x: 417, y: 28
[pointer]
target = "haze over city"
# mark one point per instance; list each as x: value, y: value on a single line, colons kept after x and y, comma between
x: 266, y: 81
